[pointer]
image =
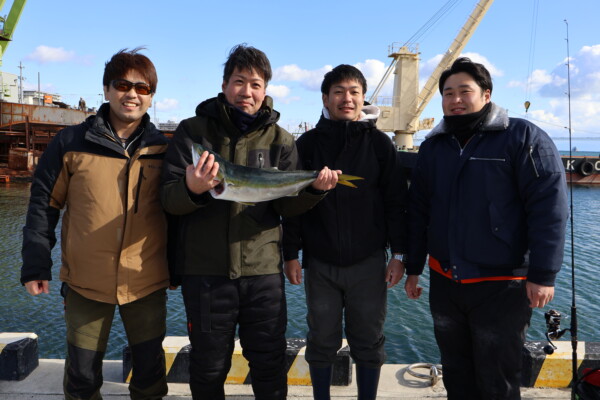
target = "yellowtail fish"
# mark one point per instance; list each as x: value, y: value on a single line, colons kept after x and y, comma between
x: 249, y: 185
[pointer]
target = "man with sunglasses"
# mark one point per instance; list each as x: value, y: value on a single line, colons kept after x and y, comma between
x: 106, y: 172
x: 228, y: 255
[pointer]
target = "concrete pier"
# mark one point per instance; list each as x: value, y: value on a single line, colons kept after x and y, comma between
x: 45, y: 383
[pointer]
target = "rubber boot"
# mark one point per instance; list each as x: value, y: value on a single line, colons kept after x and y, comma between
x: 367, y: 380
x: 321, y: 382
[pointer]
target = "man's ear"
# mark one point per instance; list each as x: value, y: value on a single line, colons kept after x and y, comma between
x: 325, y: 99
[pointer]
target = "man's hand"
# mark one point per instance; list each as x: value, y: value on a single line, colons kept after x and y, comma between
x: 394, y: 272
x: 539, y: 295
x: 413, y: 291
x: 293, y: 271
x: 327, y: 179
x: 36, y: 287
x: 201, y: 178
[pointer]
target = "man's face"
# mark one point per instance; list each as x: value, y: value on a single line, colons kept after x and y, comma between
x: 245, y: 90
x: 462, y: 95
x: 127, y: 108
x: 344, y: 101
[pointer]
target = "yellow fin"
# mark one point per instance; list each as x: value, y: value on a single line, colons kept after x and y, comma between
x: 344, y: 179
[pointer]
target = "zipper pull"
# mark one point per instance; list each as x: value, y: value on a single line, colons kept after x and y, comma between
x: 537, y: 174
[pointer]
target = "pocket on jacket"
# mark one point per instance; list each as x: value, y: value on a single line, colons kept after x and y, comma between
x: 490, y: 243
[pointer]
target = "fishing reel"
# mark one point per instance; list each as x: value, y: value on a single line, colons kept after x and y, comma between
x: 553, y: 331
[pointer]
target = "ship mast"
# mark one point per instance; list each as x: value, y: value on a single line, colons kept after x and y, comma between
x: 402, y: 117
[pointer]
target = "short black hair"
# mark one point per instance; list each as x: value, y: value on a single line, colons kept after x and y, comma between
x: 343, y: 72
x: 477, y: 71
x: 130, y: 60
x: 244, y: 57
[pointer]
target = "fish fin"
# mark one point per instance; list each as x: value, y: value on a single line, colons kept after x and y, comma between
x: 246, y: 203
x: 344, y: 179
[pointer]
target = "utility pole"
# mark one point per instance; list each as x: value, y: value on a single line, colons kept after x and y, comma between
x: 39, y: 93
x: 21, y: 82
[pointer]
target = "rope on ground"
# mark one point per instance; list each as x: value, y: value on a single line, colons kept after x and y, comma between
x: 435, y: 372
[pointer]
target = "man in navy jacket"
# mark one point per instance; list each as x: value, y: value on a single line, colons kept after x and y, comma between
x: 488, y: 205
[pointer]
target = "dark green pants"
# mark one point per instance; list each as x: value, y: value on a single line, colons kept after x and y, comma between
x: 88, y: 329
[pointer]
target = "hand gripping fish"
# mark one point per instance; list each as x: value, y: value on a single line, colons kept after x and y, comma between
x: 249, y: 185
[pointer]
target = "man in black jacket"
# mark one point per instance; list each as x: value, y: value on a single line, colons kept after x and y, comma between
x: 344, y: 237
x: 488, y: 204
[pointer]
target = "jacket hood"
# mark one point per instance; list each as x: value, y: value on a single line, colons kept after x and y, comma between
x: 496, y: 120
x: 368, y: 112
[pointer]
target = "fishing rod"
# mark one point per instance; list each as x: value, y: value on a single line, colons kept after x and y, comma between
x: 552, y: 316
x: 573, y: 329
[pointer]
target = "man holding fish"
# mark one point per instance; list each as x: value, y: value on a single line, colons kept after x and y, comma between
x: 227, y: 253
x: 344, y: 237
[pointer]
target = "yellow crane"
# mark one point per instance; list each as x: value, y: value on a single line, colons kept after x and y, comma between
x: 407, y: 104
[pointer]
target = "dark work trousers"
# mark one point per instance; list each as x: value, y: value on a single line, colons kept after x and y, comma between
x: 214, y: 307
x: 88, y: 329
x: 480, y: 329
x: 356, y: 294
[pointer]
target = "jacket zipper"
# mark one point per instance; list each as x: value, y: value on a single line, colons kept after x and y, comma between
x: 137, y: 191
x: 487, y: 159
x: 537, y: 175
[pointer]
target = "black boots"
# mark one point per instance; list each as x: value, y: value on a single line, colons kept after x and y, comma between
x: 367, y: 380
x: 321, y: 381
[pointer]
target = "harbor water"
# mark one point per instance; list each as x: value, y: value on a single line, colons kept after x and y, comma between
x: 408, y: 329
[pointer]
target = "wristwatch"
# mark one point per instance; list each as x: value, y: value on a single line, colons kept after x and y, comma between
x: 400, y: 257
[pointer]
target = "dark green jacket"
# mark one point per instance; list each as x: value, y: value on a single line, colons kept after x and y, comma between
x: 219, y: 237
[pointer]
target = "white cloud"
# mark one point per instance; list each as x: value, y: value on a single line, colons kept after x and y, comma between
x: 167, y: 104
x: 538, y: 78
x: 373, y: 70
x: 278, y: 91
x: 281, y: 93
x: 45, y: 54
x: 309, y: 79
x: 585, y: 76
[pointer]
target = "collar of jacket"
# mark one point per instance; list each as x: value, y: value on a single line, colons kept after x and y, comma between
x: 329, y: 124
x: 98, y: 130
x: 216, y: 108
x: 497, y: 120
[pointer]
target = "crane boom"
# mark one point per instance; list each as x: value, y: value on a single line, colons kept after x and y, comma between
x: 402, y: 117
x: 452, y: 54
x: 9, y: 24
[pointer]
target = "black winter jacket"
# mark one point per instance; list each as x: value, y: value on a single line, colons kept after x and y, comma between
x: 497, y: 207
x: 350, y: 224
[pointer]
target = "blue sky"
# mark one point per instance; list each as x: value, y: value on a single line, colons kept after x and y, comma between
x: 67, y: 43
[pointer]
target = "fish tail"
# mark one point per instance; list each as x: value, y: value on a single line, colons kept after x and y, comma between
x: 344, y: 179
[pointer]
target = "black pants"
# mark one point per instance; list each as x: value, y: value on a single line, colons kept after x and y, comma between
x: 215, y: 306
x: 355, y: 295
x: 480, y: 329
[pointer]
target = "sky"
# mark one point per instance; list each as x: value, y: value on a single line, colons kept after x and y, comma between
x: 522, y: 42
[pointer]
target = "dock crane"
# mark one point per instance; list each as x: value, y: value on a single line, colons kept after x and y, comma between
x: 407, y: 104
x: 9, y: 24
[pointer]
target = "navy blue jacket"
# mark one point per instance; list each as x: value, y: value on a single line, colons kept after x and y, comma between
x: 497, y: 207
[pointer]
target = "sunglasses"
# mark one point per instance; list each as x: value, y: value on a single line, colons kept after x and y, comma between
x: 123, y: 85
